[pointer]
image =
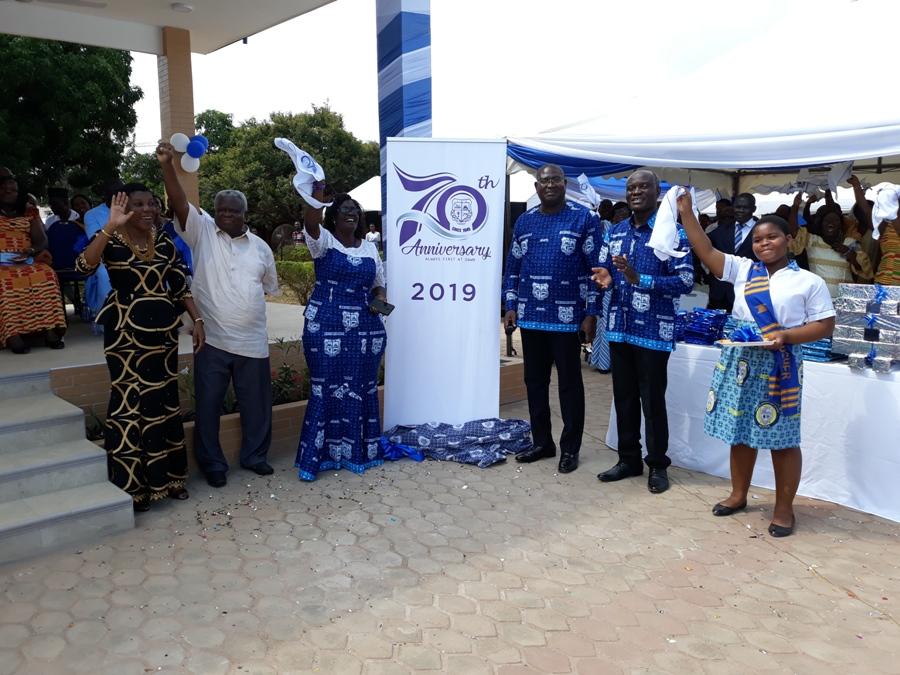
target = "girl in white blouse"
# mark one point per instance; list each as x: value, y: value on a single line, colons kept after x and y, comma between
x: 754, y: 399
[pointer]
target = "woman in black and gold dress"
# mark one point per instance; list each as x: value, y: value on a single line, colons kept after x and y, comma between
x: 145, y: 447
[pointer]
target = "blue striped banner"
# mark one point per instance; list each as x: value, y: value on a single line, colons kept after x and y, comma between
x: 404, y: 73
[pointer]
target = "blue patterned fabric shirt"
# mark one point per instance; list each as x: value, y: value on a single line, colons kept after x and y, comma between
x: 549, y: 267
x: 643, y: 314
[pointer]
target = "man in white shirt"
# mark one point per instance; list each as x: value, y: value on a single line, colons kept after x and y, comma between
x: 374, y: 236
x: 233, y: 272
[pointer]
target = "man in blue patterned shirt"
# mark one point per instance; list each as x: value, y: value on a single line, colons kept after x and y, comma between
x: 640, y: 329
x: 548, y: 294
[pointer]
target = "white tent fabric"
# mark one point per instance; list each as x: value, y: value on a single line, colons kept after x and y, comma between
x: 762, y: 109
x: 368, y: 194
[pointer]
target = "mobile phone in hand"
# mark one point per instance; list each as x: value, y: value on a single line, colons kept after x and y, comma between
x: 380, y: 306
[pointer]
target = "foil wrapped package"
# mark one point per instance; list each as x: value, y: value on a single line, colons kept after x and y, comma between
x: 852, y: 347
x: 857, y: 361
x: 862, y: 320
x: 891, y: 337
x: 881, y: 364
x: 868, y: 291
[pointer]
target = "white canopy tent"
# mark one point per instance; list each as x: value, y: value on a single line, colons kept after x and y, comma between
x: 745, y: 120
x: 368, y: 194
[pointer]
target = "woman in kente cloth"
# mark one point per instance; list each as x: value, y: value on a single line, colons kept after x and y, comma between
x: 30, y: 301
x: 754, y: 400
x: 144, y: 436
x: 343, y: 341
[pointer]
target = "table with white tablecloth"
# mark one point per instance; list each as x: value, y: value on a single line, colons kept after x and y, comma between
x: 850, y: 431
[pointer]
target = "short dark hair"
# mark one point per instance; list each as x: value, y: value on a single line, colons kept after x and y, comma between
x: 775, y: 220
x: 723, y: 200
x: 84, y: 197
x: 331, y: 213
x: 131, y: 188
x: 549, y: 165
x: 647, y: 171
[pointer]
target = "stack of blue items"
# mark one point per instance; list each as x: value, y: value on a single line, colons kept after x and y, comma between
x: 820, y: 350
x: 703, y: 326
x: 680, y: 321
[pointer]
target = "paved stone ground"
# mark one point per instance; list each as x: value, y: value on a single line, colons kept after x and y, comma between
x: 440, y: 567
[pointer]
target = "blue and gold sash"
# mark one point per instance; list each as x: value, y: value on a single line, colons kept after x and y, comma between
x: 784, y: 378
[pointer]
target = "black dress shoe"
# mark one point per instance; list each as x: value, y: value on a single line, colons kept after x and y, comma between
x: 781, y: 530
x: 722, y: 510
x: 536, y: 453
x: 658, y: 481
x: 142, y: 506
x: 568, y: 462
x: 260, y: 469
x: 216, y: 479
x: 620, y: 471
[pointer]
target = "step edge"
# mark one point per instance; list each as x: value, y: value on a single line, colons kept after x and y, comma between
x: 104, y: 505
x: 57, y: 419
x: 87, y: 457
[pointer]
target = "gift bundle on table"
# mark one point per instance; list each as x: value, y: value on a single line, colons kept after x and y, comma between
x: 700, y: 326
x: 867, y: 326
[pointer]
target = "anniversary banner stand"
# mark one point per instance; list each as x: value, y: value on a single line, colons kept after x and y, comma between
x: 444, y: 234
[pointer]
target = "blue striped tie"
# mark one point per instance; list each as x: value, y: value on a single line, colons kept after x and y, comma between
x: 737, y: 237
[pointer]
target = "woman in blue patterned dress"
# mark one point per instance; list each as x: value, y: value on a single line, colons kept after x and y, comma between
x: 343, y: 341
x: 754, y: 399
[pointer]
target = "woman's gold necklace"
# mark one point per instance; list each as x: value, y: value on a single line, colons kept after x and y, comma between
x: 145, y: 252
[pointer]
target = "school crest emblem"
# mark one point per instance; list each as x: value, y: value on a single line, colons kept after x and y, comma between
x: 666, y: 330
x: 710, y: 401
x: 743, y: 369
x: 351, y: 320
x: 640, y: 301
x: 588, y: 246
x: 333, y: 347
x: 766, y: 414
x: 540, y: 291
x: 566, y: 313
x: 377, y: 344
x: 615, y: 247
x: 567, y: 245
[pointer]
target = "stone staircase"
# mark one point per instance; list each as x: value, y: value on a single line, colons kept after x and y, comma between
x: 54, y: 489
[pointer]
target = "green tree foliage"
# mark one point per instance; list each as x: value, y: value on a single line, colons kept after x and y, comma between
x: 66, y: 111
x: 251, y: 163
x: 218, y: 127
x: 298, y: 277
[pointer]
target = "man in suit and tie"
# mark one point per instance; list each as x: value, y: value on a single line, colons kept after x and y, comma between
x: 732, y: 236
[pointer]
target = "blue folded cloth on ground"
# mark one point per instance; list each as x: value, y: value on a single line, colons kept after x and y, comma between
x: 481, y: 442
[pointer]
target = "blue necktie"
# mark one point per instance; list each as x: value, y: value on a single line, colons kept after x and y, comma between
x: 737, y: 237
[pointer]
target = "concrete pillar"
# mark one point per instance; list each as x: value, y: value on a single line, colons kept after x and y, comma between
x: 176, y: 95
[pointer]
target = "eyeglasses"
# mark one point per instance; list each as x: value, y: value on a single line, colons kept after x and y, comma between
x: 552, y: 180
x: 348, y: 208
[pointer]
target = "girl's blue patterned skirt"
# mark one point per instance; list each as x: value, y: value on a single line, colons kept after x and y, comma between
x: 738, y: 410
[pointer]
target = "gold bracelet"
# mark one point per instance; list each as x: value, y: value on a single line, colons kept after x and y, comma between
x: 104, y: 232
x: 199, y: 319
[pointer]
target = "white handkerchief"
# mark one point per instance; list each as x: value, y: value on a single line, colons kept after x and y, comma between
x: 308, y: 171
x: 588, y: 190
x: 664, y: 240
x: 887, y: 201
